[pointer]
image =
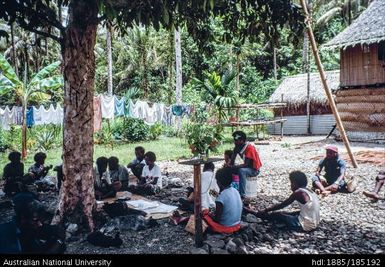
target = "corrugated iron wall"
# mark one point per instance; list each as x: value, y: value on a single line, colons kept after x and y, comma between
x: 319, y: 124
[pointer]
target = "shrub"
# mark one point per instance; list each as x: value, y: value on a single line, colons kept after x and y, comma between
x: 156, y: 130
x: 135, y: 130
x: 3, y: 144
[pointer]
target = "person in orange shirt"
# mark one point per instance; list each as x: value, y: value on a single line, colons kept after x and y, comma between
x: 251, y: 162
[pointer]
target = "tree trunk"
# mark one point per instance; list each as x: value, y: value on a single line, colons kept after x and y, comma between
x: 14, y: 59
x: 24, y: 132
x: 238, y: 84
x: 178, y: 71
x: 77, y: 200
x: 109, y: 58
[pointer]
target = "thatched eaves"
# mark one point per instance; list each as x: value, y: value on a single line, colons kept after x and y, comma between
x: 368, y: 28
x: 294, y: 89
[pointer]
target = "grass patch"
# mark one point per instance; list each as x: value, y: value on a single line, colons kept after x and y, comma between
x: 166, y: 148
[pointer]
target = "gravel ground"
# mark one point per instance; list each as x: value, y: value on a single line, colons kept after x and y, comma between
x: 350, y: 223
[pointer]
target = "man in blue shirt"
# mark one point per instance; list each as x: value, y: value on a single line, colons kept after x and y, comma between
x: 334, y: 178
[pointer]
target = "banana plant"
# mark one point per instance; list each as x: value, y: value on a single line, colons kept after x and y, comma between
x: 219, y: 90
x: 43, y: 84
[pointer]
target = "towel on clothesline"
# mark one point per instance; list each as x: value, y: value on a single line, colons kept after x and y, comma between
x: 119, y: 105
x: 97, y: 114
x: 108, y: 106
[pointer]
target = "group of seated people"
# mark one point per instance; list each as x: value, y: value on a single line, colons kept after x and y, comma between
x: 111, y: 177
x: 223, y: 194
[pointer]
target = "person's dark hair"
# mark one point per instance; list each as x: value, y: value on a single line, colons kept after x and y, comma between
x: 102, y: 161
x: 229, y: 153
x: 224, y: 176
x: 39, y: 156
x: 298, y: 178
x: 208, y: 166
x: 239, y: 135
x: 139, y: 149
x: 14, y: 156
x: 151, y: 156
x: 113, y: 161
x: 27, y: 208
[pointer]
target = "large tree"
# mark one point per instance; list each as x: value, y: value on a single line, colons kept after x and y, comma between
x: 256, y: 19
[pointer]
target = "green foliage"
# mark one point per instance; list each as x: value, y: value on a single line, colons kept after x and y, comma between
x: 104, y: 136
x: 202, y: 138
x: 47, y: 137
x: 131, y: 130
x: 155, y: 131
x: 3, y: 144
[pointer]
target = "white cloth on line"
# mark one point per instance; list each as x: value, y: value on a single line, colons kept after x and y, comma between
x: 108, y: 106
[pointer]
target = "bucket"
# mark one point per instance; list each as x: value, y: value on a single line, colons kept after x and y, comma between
x: 251, y: 187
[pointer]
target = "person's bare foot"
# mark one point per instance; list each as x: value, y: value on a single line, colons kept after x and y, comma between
x: 326, y: 193
x: 317, y: 191
x: 371, y: 195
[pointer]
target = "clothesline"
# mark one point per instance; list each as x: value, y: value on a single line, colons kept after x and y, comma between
x: 105, y: 106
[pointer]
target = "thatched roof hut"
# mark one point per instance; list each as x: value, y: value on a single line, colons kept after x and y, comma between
x: 361, y: 95
x: 368, y: 28
x: 294, y: 91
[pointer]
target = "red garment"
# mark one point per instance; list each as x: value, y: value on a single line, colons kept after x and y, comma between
x: 97, y: 114
x: 251, y: 153
x: 219, y: 228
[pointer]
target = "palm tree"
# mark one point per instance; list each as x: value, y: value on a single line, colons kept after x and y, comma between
x: 38, y: 88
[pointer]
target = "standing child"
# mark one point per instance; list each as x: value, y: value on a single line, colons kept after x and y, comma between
x: 228, y: 155
x: 307, y: 218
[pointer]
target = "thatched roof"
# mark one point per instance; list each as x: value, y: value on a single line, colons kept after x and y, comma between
x: 294, y: 88
x: 368, y: 28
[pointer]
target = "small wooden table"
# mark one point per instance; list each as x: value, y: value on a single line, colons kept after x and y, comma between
x: 197, y: 195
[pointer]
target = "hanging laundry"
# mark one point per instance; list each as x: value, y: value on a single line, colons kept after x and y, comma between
x: 169, y: 116
x: 60, y: 114
x: 37, y: 114
x: 160, y: 112
x: 30, y: 117
x: 7, y: 118
x: 119, y: 106
x: 97, y: 114
x: 178, y: 110
x: 108, y: 106
x: 129, y: 105
x: 140, y: 110
x: 17, y: 115
x: 151, y: 116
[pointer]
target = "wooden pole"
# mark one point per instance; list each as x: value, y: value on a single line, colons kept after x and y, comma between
x: 325, y: 85
x: 197, y: 206
x: 281, y: 117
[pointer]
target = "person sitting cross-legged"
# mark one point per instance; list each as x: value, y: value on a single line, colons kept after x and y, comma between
x: 102, y: 181
x: 118, y: 174
x: 38, y: 170
x: 334, y: 178
x: 150, y: 182
x: 380, y: 180
x: 307, y: 218
x: 228, y: 205
x: 138, y: 163
x: 13, y: 173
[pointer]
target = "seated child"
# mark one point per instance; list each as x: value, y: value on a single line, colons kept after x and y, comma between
x: 380, y: 179
x: 13, y: 173
x: 307, y: 218
x: 38, y: 170
x: 228, y: 210
x: 102, y: 184
x: 209, y: 189
x: 151, y: 179
x: 228, y: 155
x: 138, y: 163
x: 118, y: 174
x: 334, y: 178
x: 59, y: 174
x: 28, y: 234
